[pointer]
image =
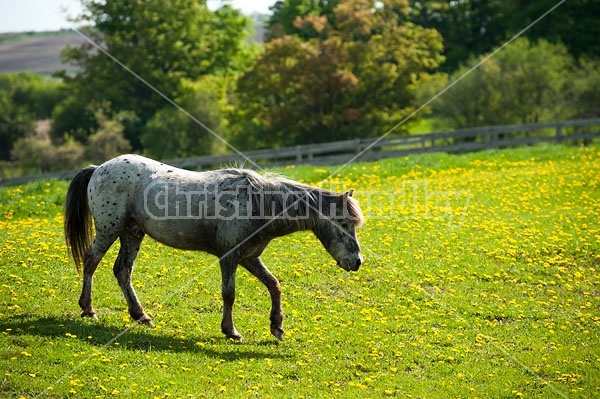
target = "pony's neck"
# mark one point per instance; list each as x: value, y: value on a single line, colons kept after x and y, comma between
x: 291, y: 223
x: 305, y: 213
x: 290, y: 206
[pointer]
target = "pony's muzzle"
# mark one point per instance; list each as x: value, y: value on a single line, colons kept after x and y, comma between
x: 351, y: 263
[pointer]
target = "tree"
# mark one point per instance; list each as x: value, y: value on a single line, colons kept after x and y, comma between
x: 68, y: 155
x: 357, y: 78
x: 286, y: 12
x: 574, y: 23
x: 475, y: 100
x: 468, y: 27
x: 535, y: 91
x: 73, y: 118
x: 108, y: 141
x: 24, y: 98
x: 161, y: 41
x: 171, y: 134
x: 35, y: 93
x: 585, y: 89
x: 471, y: 28
x: 512, y: 87
x: 15, y: 123
x: 34, y: 153
x: 37, y: 153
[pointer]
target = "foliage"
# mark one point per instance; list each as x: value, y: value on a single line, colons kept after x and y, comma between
x: 501, y: 303
x: 73, y: 118
x: 471, y: 28
x: 36, y: 94
x: 356, y: 79
x: 24, y: 98
x: 534, y: 91
x: 37, y: 153
x: 108, y: 141
x: 574, y: 23
x: 234, y: 50
x: 15, y: 123
x: 584, y: 99
x: 286, y: 14
x: 511, y: 87
x: 170, y: 133
x: 68, y: 155
x: 162, y: 42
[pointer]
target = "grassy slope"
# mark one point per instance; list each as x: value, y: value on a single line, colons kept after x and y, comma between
x: 13, y: 37
x: 38, y: 53
x: 500, y: 303
x: 423, y: 126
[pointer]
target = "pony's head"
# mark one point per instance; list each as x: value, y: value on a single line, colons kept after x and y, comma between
x: 337, y: 231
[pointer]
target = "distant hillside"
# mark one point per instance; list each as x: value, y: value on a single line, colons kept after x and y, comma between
x: 35, y: 52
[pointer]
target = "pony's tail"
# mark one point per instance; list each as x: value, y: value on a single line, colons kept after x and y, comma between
x: 78, y: 219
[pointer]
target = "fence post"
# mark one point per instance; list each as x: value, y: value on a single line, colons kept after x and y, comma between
x: 298, y: 153
x: 559, y: 133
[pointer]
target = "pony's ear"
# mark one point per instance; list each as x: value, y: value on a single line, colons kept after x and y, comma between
x: 342, y: 199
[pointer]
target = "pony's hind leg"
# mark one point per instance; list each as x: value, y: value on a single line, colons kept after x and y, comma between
x: 123, y: 269
x: 94, y: 255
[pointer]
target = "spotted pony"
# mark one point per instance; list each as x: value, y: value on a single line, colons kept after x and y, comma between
x: 230, y: 213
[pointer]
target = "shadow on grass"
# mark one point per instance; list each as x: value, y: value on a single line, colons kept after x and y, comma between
x: 138, y: 338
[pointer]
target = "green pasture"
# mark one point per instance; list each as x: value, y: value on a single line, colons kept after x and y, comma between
x: 423, y: 126
x: 482, y: 279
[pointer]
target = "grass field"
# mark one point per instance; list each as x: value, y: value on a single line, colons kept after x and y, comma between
x: 423, y: 125
x: 481, y: 279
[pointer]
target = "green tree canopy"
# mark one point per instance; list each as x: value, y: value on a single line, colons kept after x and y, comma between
x: 170, y: 133
x: 512, y: 87
x: 474, y: 27
x: 285, y: 13
x: 574, y: 23
x: 73, y: 118
x: 108, y: 141
x: 586, y: 89
x: 161, y: 41
x: 24, y: 98
x: 357, y: 78
x: 468, y: 27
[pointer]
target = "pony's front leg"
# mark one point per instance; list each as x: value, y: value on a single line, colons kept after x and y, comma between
x: 228, y: 269
x: 258, y: 269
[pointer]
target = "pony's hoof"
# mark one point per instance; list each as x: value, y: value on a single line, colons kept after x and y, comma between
x: 90, y: 314
x: 235, y: 336
x: 145, y: 319
x: 277, y: 332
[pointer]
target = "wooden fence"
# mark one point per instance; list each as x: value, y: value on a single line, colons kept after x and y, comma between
x: 339, y: 152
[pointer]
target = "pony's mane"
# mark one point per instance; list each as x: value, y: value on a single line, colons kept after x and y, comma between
x: 277, y: 195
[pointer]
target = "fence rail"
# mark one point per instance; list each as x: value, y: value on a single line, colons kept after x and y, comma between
x: 455, y: 141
